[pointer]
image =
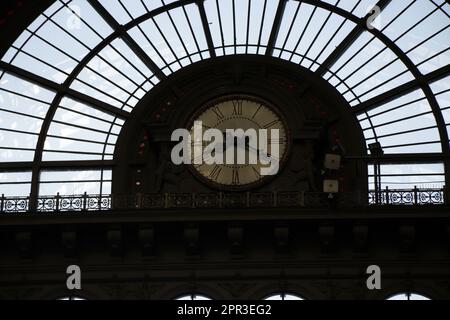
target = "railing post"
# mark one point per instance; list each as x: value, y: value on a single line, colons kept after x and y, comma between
x: 302, y: 198
x: 247, y: 200
x: 387, y: 195
x: 166, y: 200
x: 85, y: 200
x: 57, y: 202
x: 275, y: 198
x: 415, y: 195
x: 138, y: 201
x: 30, y: 204
x: 446, y: 193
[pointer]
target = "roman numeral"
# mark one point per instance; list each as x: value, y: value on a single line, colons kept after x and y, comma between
x: 257, y: 111
x: 218, y: 113
x: 215, y: 173
x: 271, y: 124
x: 237, y: 107
x: 257, y: 173
x: 235, y: 180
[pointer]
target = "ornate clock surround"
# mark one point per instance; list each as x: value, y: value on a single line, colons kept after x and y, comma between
x: 316, y: 114
x: 263, y: 103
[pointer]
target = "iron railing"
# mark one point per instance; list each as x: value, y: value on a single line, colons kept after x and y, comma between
x: 85, y: 202
x: 407, y: 197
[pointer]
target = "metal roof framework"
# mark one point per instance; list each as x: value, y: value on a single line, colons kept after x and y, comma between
x: 327, y: 37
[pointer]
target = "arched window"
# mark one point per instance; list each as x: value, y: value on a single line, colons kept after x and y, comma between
x: 193, y: 296
x: 408, y: 296
x: 70, y: 82
x: 284, y: 296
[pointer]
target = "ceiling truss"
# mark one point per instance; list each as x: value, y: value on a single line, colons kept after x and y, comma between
x: 121, y: 31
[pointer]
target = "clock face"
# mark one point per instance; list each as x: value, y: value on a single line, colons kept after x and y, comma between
x: 241, y: 112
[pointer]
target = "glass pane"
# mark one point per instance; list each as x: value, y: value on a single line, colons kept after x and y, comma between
x: 72, y: 182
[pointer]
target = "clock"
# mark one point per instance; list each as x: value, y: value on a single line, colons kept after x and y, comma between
x: 233, y: 112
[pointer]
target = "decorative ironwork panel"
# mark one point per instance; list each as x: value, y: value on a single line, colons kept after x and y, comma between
x: 72, y: 204
x: 290, y: 199
x: 181, y: 200
x: 235, y: 200
x: 47, y: 204
x: 317, y: 199
x: 14, y: 205
x: 431, y: 197
x: 152, y: 201
x: 262, y: 199
x: 207, y: 200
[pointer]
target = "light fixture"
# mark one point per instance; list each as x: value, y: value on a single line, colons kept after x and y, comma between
x: 332, y: 161
x: 331, y: 186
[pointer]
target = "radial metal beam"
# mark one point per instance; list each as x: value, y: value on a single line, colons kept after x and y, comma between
x: 348, y: 41
x: 276, y: 27
x: 206, y: 29
x: 358, y: 21
x: 59, y: 88
x: 29, y: 76
x: 122, y: 32
x: 403, y: 57
x: 401, y: 90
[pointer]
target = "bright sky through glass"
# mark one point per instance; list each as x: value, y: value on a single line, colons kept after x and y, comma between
x: 70, y: 43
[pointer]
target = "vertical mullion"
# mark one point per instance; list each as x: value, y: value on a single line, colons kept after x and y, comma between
x: 220, y: 25
x: 262, y: 25
x: 303, y: 33
x: 206, y: 29
x: 192, y: 32
x: 317, y: 35
x: 248, y: 26
x: 233, y: 4
x: 297, y: 10
x: 276, y: 27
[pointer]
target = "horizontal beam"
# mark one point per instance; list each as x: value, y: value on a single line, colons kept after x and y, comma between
x: 404, y: 158
x: 28, y: 166
x: 376, y: 213
x: 58, y: 88
x: 401, y: 90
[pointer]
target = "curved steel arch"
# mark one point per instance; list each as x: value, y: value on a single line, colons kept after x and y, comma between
x: 361, y: 24
x: 117, y: 33
x: 423, y: 84
x: 121, y: 31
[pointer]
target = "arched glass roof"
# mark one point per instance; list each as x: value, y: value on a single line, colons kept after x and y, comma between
x: 73, y: 77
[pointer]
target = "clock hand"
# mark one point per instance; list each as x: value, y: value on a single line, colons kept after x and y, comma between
x: 265, y: 155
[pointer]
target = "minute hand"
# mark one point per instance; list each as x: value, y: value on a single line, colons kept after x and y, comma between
x: 265, y: 155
